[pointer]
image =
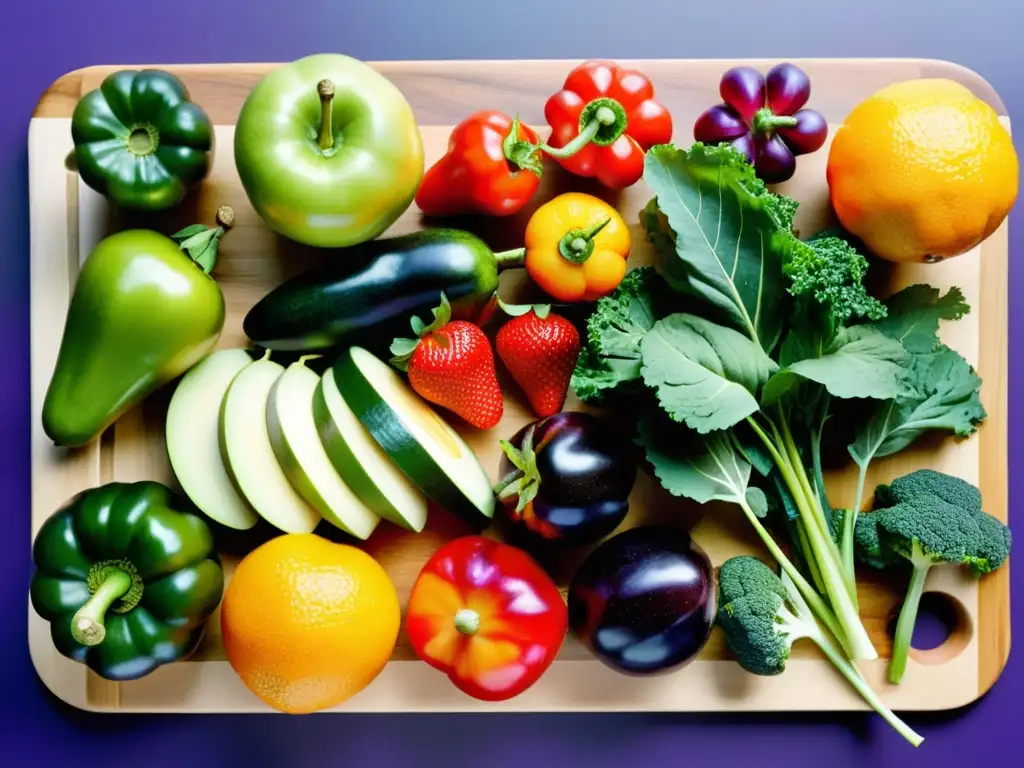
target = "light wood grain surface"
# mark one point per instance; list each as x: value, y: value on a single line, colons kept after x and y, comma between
x: 67, y: 219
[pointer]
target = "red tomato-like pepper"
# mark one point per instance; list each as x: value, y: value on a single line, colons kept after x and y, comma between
x: 603, y: 121
x: 482, y: 172
x: 487, y: 615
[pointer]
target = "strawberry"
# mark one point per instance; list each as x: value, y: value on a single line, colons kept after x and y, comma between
x: 539, y: 349
x: 450, y: 363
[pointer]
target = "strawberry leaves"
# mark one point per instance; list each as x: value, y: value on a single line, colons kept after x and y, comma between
x: 403, y: 349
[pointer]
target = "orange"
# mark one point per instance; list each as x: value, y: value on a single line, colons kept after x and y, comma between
x: 922, y: 170
x: 308, y: 623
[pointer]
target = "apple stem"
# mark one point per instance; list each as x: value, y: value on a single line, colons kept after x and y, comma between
x: 326, y: 90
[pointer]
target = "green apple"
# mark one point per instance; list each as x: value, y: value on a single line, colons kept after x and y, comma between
x: 301, y: 454
x: 249, y: 454
x: 193, y: 438
x: 328, y: 151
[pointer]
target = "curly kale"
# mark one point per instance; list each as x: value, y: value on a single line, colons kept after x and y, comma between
x: 923, y: 519
x: 831, y: 271
x: 610, y: 357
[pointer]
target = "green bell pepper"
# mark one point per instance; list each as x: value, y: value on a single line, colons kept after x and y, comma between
x: 140, y: 141
x: 127, y: 575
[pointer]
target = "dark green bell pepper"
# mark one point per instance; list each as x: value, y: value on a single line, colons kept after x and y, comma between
x: 127, y: 575
x: 140, y: 141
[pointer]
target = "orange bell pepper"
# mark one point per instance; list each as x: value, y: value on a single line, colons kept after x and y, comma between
x: 576, y: 247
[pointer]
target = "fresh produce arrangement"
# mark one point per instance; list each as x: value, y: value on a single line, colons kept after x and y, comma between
x: 734, y: 368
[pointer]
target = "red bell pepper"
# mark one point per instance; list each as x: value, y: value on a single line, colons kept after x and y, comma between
x: 482, y: 172
x: 603, y: 121
x: 486, y: 614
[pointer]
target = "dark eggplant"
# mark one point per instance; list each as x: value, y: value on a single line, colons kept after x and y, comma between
x: 370, y: 292
x: 566, y: 478
x: 643, y: 602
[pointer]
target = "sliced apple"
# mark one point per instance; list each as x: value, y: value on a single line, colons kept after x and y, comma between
x: 193, y: 439
x: 304, y: 459
x: 362, y: 463
x: 249, y: 454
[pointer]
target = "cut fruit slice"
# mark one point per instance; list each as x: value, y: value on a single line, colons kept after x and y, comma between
x: 430, y: 452
x: 193, y: 439
x: 364, y: 467
x: 301, y: 454
x: 249, y: 456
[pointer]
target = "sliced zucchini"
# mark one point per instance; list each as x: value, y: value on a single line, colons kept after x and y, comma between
x: 361, y: 462
x: 301, y: 454
x: 419, y: 441
x: 193, y: 439
x: 249, y: 456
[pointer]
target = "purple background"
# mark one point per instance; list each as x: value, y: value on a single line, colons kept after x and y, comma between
x: 45, y: 38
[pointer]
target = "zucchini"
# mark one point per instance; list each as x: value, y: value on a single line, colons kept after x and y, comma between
x: 369, y: 293
x: 425, y: 447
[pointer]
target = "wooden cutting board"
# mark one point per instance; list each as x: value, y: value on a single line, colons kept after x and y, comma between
x: 67, y: 219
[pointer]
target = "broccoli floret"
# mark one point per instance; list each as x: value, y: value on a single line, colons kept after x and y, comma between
x: 759, y: 627
x: 762, y: 614
x: 921, y: 520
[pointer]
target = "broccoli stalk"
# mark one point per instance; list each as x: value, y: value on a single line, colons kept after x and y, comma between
x: 921, y: 562
x: 924, y: 519
x: 762, y: 614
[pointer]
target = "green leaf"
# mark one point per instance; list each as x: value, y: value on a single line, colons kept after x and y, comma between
x: 947, y: 399
x: 730, y: 235
x: 700, y: 468
x: 184, y: 234
x: 914, y: 314
x: 861, y: 362
x: 705, y: 375
x: 757, y: 501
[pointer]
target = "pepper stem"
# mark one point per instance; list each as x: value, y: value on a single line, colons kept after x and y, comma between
x: 201, y: 242
x: 325, y: 88
x: 521, y: 152
x: 765, y: 121
x: 510, y: 259
x: 602, y: 122
x: 577, y: 245
x: 467, y: 621
x: 87, y: 624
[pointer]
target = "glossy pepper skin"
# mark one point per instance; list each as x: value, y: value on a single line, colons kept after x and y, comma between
x: 576, y: 247
x: 487, y: 615
x: 140, y: 141
x: 629, y: 120
x: 478, y: 174
x: 126, y: 574
x: 144, y: 310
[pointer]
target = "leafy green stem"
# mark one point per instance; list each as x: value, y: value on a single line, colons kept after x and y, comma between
x: 854, y: 637
x: 850, y: 524
x: 814, y: 600
x: 853, y: 675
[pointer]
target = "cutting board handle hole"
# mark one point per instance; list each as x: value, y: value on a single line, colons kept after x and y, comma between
x: 943, y: 629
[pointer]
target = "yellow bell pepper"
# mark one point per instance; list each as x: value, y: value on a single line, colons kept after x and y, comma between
x: 576, y: 247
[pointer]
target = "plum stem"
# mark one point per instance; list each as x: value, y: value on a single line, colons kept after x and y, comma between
x: 765, y: 121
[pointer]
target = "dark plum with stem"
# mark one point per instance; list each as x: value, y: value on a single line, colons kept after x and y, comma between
x: 763, y: 116
x: 566, y: 479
